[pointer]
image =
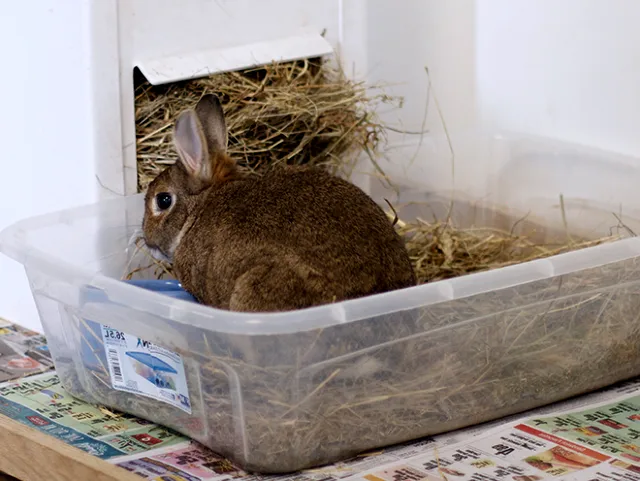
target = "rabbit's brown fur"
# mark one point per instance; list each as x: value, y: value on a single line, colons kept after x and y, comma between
x: 293, y: 238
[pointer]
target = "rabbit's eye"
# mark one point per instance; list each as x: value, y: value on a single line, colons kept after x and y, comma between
x: 163, y: 200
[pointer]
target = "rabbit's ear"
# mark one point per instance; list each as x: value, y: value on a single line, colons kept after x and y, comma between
x: 200, y: 137
x: 214, y: 127
x: 191, y: 145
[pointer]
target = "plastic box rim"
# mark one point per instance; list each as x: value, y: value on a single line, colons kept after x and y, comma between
x: 219, y: 320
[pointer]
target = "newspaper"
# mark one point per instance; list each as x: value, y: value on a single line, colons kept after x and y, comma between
x: 589, y: 438
x: 22, y: 352
x: 40, y: 402
x: 601, y: 442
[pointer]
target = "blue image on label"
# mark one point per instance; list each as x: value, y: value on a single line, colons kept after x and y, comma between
x: 141, y: 367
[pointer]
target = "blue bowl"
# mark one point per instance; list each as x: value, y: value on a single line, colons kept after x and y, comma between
x: 92, y: 348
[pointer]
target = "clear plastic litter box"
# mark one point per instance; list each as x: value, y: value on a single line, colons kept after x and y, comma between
x: 284, y: 391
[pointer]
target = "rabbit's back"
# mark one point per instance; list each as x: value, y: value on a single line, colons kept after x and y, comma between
x: 323, y: 236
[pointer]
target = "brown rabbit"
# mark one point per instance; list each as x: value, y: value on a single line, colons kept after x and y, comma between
x: 293, y: 238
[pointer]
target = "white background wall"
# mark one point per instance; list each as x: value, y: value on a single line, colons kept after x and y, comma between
x: 565, y: 68
x: 403, y: 37
x: 46, y: 152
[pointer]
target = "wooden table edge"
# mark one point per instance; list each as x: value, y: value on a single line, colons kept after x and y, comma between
x: 31, y: 455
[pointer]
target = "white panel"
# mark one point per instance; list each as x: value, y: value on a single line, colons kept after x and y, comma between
x: 104, y: 90
x: 163, y: 28
x: 224, y: 59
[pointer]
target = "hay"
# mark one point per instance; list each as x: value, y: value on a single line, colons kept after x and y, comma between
x: 440, y: 250
x: 286, y: 402
x: 303, y: 112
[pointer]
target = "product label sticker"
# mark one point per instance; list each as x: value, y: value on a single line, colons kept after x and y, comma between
x: 140, y: 367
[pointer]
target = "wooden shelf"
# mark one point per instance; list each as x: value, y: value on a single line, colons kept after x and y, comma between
x: 30, y: 455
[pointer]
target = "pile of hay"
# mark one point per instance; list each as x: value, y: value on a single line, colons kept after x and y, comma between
x: 316, y: 396
x: 440, y: 250
x: 303, y: 112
